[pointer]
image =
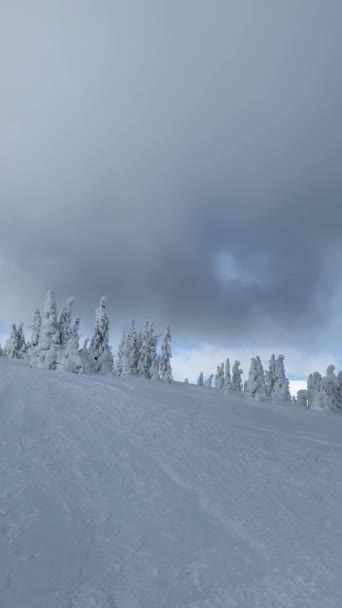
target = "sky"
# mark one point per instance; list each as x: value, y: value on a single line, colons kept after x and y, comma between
x: 182, y: 158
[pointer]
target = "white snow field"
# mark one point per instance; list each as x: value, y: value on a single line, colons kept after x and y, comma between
x: 125, y: 493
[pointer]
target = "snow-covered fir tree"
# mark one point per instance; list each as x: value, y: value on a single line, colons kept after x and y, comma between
x: 209, y: 381
x: 153, y: 355
x: 13, y: 346
x: 186, y: 381
x: 219, y: 378
x: 256, y: 387
x: 237, y: 377
x: 100, y: 354
x: 120, y: 359
x: 270, y: 375
x: 64, y: 325
x: 37, y: 321
x: 155, y: 369
x: 144, y: 361
x: 331, y: 391
x: 45, y: 354
x: 72, y: 360
x: 302, y: 397
x: 22, y: 346
x: 166, y: 356
x: 281, y: 386
x: 200, y: 380
x: 84, y: 354
x: 130, y: 365
x: 227, y: 383
x: 315, y: 397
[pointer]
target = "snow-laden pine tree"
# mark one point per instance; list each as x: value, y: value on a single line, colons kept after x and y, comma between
x: 302, y: 397
x: 227, y: 383
x: 120, y: 359
x: 45, y: 353
x: 100, y: 354
x: 331, y: 391
x: 186, y: 381
x: 72, y: 360
x: 144, y: 361
x: 37, y: 321
x: 22, y: 346
x: 219, y: 378
x: 155, y: 369
x: 153, y: 364
x: 315, y: 397
x: 12, y: 346
x: 209, y: 381
x: 166, y: 356
x: 237, y: 377
x: 281, y: 386
x: 200, y: 380
x: 256, y: 387
x: 64, y: 326
x: 270, y: 375
x: 130, y: 366
x: 84, y: 354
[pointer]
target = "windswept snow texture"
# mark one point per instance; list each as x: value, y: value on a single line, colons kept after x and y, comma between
x: 124, y: 493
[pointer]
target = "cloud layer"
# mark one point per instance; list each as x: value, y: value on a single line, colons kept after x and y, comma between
x: 182, y: 158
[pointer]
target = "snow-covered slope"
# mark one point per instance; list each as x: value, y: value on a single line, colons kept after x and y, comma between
x: 124, y: 493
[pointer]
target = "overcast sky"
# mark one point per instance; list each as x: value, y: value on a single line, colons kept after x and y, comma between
x: 182, y: 157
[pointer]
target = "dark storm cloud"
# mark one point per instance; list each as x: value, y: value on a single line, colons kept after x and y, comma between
x: 141, y: 141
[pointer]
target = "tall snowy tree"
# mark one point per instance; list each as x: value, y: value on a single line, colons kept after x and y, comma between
x: 315, y: 397
x: 144, y: 362
x: 209, y: 381
x: 13, y: 345
x: 200, y: 380
x: 331, y: 391
x: 153, y: 356
x: 227, y: 383
x: 281, y: 386
x: 72, y: 360
x: 256, y: 387
x: 45, y: 354
x: 302, y: 398
x: 100, y: 354
x: 37, y: 321
x: 219, y: 378
x: 120, y: 359
x: 237, y: 377
x: 64, y: 327
x: 130, y: 366
x: 166, y: 356
x: 155, y: 369
x: 270, y: 376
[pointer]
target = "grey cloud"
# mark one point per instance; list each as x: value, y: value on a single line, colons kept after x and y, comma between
x: 141, y: 140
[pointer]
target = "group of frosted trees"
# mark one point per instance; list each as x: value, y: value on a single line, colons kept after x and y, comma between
x: 322, y: 393
x: 260, y: 385
x: 55, y: 345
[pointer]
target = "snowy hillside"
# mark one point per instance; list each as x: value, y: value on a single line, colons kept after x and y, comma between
x: 125, y: 493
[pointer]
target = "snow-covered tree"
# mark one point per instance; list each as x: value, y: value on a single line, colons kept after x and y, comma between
x: 64, y: 327
x: 256, y: 387
x: 315, y: 397
x: 120, y: 359
x: 45, y: 353
x: 72, y: 360
x: 100, y: 354
x: 84, y: 354
x: 209, y: 381
x: 12, y: 346
x: 302, y: 398
x: 200, y: 380
x: 186, y: 381
x: 270, y: 375
x: 152, y: 353
x: 227, y: 383
x: 219, y: 378
x: 130, y: 366
x: 237, y: 377
x: 166, y: 356
x: 155, y: 369
x: 144, y: 362
x: 37, y: 321
x: 331, y: 391
x: 281, y: 386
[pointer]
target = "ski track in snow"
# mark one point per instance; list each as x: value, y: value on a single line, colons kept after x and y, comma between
x: 124, y: 493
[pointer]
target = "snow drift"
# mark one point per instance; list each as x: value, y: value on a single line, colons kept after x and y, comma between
x: 124, y: 493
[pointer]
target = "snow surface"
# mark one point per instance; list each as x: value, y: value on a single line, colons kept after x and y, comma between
x: 124, y: 493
